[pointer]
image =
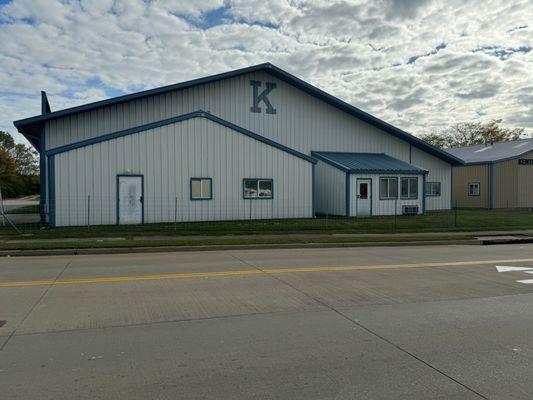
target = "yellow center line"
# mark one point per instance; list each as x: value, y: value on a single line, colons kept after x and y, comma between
x: 258, y: 272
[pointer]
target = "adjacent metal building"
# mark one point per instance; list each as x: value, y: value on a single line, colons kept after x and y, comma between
x: 494, y: 175
x: 207, y: 149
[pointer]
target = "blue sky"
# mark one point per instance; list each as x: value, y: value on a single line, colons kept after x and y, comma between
x: 421, y: 65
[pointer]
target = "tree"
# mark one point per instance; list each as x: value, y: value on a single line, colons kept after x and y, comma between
x: 19, y: 168
x: 10, y: 181
x: 26, y: 160
x: 469, y: 133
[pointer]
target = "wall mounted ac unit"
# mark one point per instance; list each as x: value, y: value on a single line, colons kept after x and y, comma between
x: 410, y: 210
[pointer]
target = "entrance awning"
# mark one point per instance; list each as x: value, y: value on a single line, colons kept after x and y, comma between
x: 367, y: 163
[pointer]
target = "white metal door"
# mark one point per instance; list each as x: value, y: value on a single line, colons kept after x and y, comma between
x: 364, y: 197
x: 130, y: 199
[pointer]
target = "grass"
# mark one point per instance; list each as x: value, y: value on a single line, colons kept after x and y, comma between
x: 216, y: 242
x: 462, y: 220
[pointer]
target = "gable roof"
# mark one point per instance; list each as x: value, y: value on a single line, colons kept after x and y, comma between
x: 30, y: 127
x: 367, y: 163
x: 499, y: 151
x: 173, y: 120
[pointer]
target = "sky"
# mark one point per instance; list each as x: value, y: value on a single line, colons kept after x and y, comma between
x: 421, y: 65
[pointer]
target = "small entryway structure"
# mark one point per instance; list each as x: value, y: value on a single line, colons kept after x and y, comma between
x: 366, y: 184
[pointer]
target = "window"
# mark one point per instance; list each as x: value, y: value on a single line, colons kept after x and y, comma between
x: 388, y: 188
x: 432, y: 188
x: 409, y: 188
x: 473, y: 189
x: 363, y: 190
x: 258, y: 188
x: 201, y: 189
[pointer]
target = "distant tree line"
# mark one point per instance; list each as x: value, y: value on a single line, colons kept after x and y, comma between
x: 470, y: 133
x: 19, y: 168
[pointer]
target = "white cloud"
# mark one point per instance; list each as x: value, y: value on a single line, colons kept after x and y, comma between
x: 421, y: 65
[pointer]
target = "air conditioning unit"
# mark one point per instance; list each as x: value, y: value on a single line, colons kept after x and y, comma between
x: 410, y: 210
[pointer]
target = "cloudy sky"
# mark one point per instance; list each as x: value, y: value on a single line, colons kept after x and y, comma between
x: 419, y: 64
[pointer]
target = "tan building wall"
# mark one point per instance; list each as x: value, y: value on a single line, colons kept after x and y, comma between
x: 462, y: 176
x: 513, y: 183
x: 505, y: 193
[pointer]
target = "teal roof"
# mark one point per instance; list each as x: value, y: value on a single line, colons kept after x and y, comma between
x: 367, y: 163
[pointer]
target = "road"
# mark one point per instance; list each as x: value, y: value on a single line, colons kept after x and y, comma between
x: 434, y: 322
x: 13, y: 204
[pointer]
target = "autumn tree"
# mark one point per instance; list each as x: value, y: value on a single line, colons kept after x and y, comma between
x: 470, y: 133
x: 19, y: 168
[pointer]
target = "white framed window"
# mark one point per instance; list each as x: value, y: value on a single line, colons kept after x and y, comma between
x: 473, y: 188
x: 409, y: 187
x: 432, y: 188
x: 388, y: 188
x: 201, y: 188
x: 258, y: 188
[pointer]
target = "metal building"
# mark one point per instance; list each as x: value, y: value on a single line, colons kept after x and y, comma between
x: 494, y: 175
x: 206, y: 149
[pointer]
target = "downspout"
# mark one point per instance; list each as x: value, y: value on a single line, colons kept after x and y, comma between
x: 45, y: 109
x: 423, y: 194
x: 491, y: 186
x: 52, y: 189
x: 313, y: 188
x: 348, y: 195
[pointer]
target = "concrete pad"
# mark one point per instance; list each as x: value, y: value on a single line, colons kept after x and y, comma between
x: 31, y: 268
x: 484, y: 342
x: 116, y: 304
x: 15, y: 304
x: 157, y: 263
x: 271, y: 336
x: 282, y: 356
x: 380, y: 255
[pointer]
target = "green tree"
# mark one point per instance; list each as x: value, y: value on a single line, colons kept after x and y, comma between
x: 10, y: 180
x: 19, y: 168
x: 470, y: 133
x: 26, y: 159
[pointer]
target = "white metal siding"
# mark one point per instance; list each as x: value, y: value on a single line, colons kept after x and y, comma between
x: 384, y: 207
x: 168, y: 157
x: 439, y: 171
x: 330, y: 189
x: 301, y: 122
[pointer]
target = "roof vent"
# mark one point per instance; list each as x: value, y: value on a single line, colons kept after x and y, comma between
x: 489, y: 142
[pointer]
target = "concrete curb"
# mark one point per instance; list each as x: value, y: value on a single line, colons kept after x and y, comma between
x: 487, y: 242
x: 169, y: 249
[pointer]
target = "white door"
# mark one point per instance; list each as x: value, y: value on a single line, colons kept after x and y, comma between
x: 130, y: 199
x: 364, y: 197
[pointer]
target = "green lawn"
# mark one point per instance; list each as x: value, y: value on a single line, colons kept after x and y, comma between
x: 462, y: 220
x: 219, y: 242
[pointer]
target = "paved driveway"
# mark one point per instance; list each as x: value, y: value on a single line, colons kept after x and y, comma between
x: 362, y: 323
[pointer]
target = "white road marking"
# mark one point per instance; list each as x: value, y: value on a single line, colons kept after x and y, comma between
x: 505, y: 268
x: 527, y: 270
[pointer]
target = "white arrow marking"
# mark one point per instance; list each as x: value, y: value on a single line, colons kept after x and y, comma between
x: 505, y: 268
x: 526, y: 281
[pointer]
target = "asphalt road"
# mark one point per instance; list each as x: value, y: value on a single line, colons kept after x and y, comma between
x: 364, y: 323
